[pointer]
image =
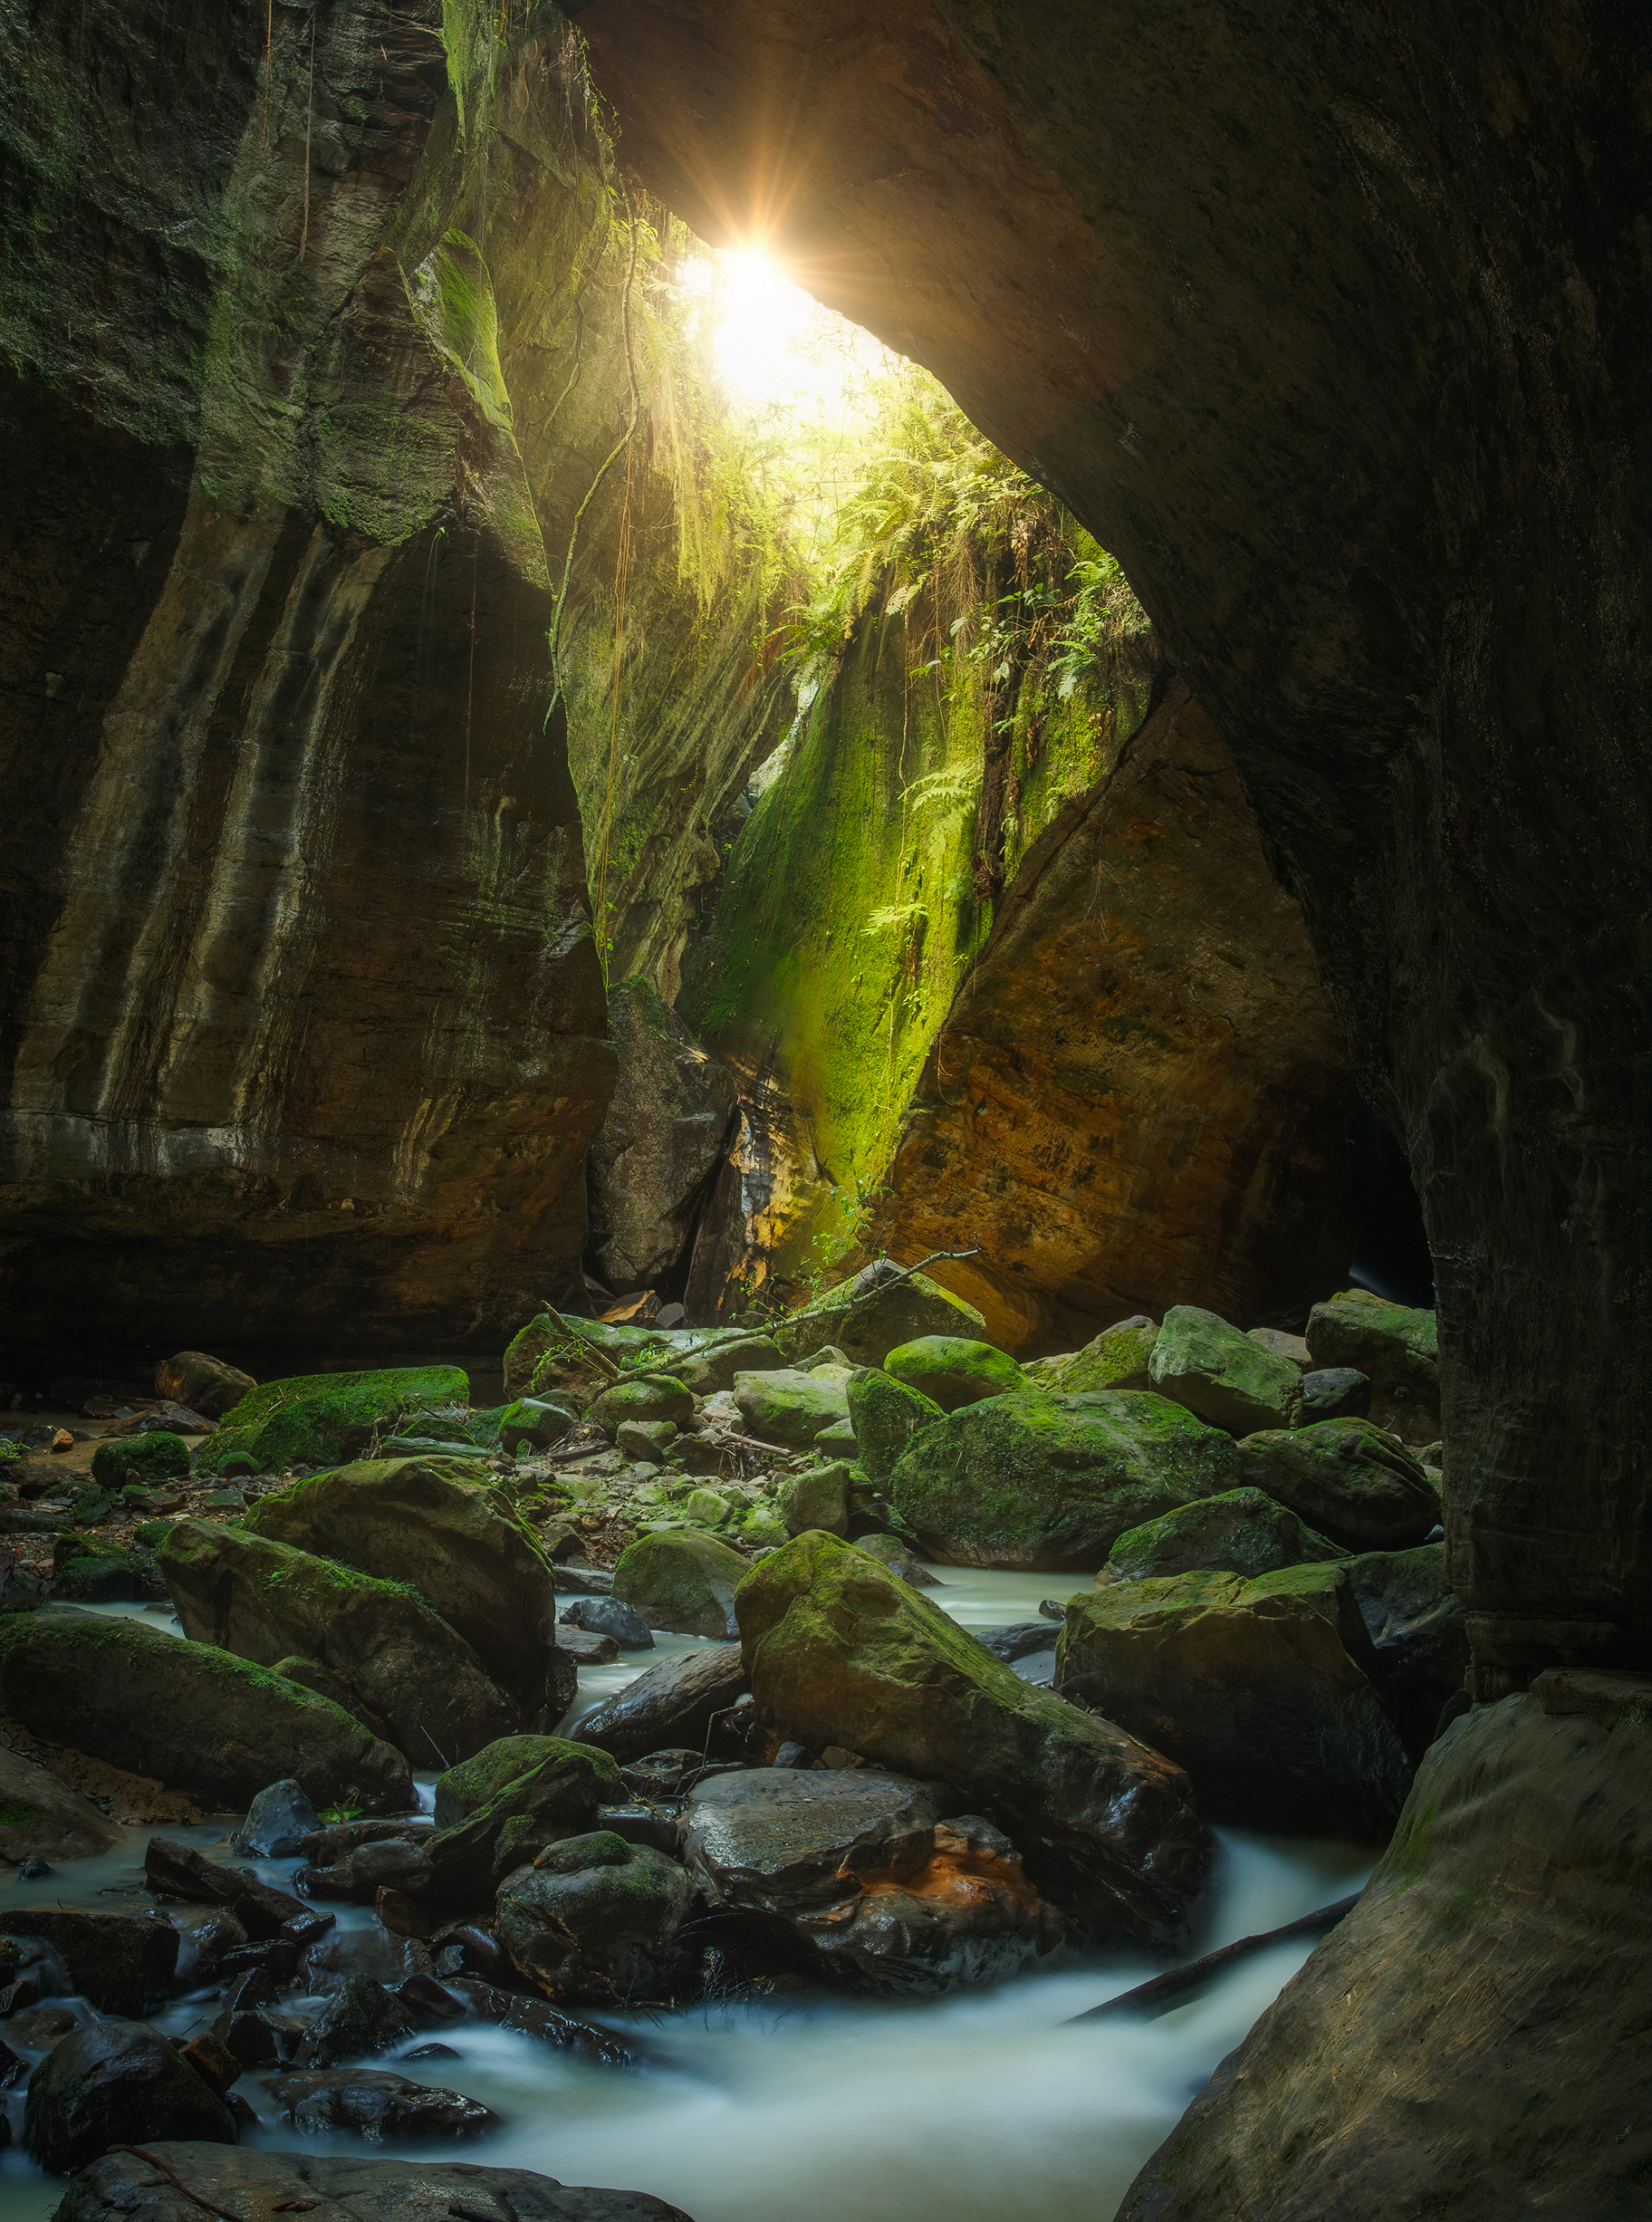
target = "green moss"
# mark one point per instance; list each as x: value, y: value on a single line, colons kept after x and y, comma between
x: 318, y: 1418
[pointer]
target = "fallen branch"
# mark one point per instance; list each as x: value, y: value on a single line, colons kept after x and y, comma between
x: 600, y: 1358
x: 1167, y: 1991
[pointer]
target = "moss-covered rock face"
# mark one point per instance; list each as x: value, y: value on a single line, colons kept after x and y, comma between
x: 595, y: 1919
x: 463, y: 1790
x: 681, y: 1582
x: 842, y: 1651
x: 319, y: 1418
x: 954, y: 1371
x: 789, y: 1407
x: 195, y: 1718
x: 885, y: 1415
x: 1221, y: 1374
x: 263, y: 1600
x: 1048, y: 1483
x: 1346, y: 1478
x: 154, y: 1457
x: 1241, y: 1532
x: 1262, y: 1689
x: 1398, y: 1350
x: 438, y: 1525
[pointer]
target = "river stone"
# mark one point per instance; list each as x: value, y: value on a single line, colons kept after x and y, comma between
x: 951, y: 1370
x: 1045, y: 1483
x: 265, y: 1599
x: 116, y: 2083
x: 788, y: 1406
x: 466, y: 1790
x: 1265, y: 1691
x: 586, y: 1649
x: 1335, y: 1393
x: 651, y: 1396
x: 612, y: 1617
x: 1419, y: 1630
x: 375, y: 2103
x: 535, y: 1423
x: 442, y: 1528
x: 816, y: 1497
x: 897, y: 1555
x: 555, y: 1796
x: 359, y: 2018
x: 715, y: 1369
x: 595, y: 1919
x: 259, y: 2184
x: 682, y: 1582
x: 873, y: 1314
x: 1395, y: 1347
x: 188, y: 1715
x: 1346, y: 1478
x: 277, y: 1821
x: 1118, y: 1358
x: 840, y: 1651
x: 1241, y: 1532
x: 156, y: 1457
x: 1521, y: 1874
x: 210, y: 1386
x: 121, y: 1962
x: 1223, y: 1375
x: 42, y: 1818
x: 885, y: 1415
x: 774, y: 1840
x: 671, y: 1705
x: 319, y: 1418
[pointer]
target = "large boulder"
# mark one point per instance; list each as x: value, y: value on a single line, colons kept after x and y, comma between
x: 1396, y: 1348
x: 842, y: 1651
x: 670, y: 1705
x: 155, y: 1458
x: 116, y: 2083
x: 1241, y: 1532
x: 1046, y: 1483
x: 816, y: 1496
x: 440, y: 1526
x: 576, y: 1357
x: 1267, y: 1691
x: 952, y: 1371
x: 463, y: 1790
x: 321, y: 1419
x: 1471, y: 2040
x: 785, y: 1406
x: 681, y: 1582
x: 868, y: 1317
x: 662, y: 1139
x: 121, y: 1963
x: 715, y: 1366
x: 885, y: 1415
x: 265, y: 1599
x: 1220, y: 1373
x: 1118, y: 1358
x: 595, y: 1919
x: 188, y: 1715
x: 648, y: 1398
x: 209, y: 1386
x: 42, y: 1818
x: 1348, y: 1480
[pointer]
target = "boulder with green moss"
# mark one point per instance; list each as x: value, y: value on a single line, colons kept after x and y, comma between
x: 532, y: 1423
x: 1347, y: 1478
x: 466, y: 1789
x: 681, y: 1581
x: 595, y: 1921
x: 817, y: 1496
x: 1046, y: 1483
x: 885, y: 1415
x: 190, y: 1716
x: 42, y: 1818
x: 321, y: 1419
x: 1118, y: 1358
x: 715, y: 1366
x: 87, y: 1572
x: 155, y: 1458
x: 1239, y: 1532
x: 1220, y: 1373
x: 441, y: 1525
x: 952, y: 1371
x: 553, y: 1796
x: 875, y: 1313
x: 575, y: 1357
x: 261, y: 1599
x: 790, y: 1407
x: 840, y: 1651
x: 645, y: 1397
x: 1267, y: 1691
x: 1396, y: 1347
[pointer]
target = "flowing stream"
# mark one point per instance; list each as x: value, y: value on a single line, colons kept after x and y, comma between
x: 951, y: 2110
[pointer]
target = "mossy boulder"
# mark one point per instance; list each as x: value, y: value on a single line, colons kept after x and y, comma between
x: 155, y: 1458
x: 321, y: 1418
x: 1046, y: 1483
x: 817, y: 1497
x: 195, y: 1718
x: 790, y: 1407
x: 595, y: 1919
x: 262, y: 1599
x: 209, y: 1386
x: 1118, y: 1358
x: 463, y: 1790
x: 874, y: 1313
x: 1396, y: 1347
x: 1347, y: 1478
x: 1220, y: 1373
x: 648, y: 1397
x: 715, y: 1367
x: 952, y: 1371
x: 681, y: 1582
x: 533, y: 1423
x: 545, y: 1358
x: 554, y: 1798
x: 86, y: 1572
x: 1264, y: 1691
x: 885, y: 1415
x: 440, y: 1525
x: 1241, y: 1532
x: 840, y: 1650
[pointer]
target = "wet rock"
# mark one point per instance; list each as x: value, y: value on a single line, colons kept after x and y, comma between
x: 535, y: 2017
x: 1398, y: 1350
x: 789, y: 1406
x: 1047, y: 1483
x: 642, y: 1823
x: 321, y: 1420
x: 350, y: 1955
x: 21, y: 1588
x: 681, y: 1582
x: 672, y: 1704
x: 262, y: 1599
x: 648, y: 1397
x: 254, y: 2039
x: 153, y: 1458
x: 952, y: 1371
x: 588, y: 1649
x: 1265, y: 1691
x: 1347, y: 1479
x: 173, y: 1868
x: 1421, y: 1632
x: 465, y: 1790
x: 1336, y: 1392
x: 840, y: 1651
x: 41, y: 1817
x: 555, y: 1797
x: 1241, y: 1532
x: 596, y: 1918
x: 361, y: 2017
x: 897, y: 1555
x: 885, y: 1415
x: 440, y: 1527
x: 774, y: 1840
x: 39, y: 2028
x: 116, y: 2083
x: 609, y: 1616
x: 376, y: 2104
x: 1230, y: 1381
x: 871, y: 1315
x: 212, y: 2060
x: 277, y: 1821
x: 207, y: 1385
x: 815, y: 1496
x: 188, y: 1715
x: 121, y: 1962
x: 1022, y: 1639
